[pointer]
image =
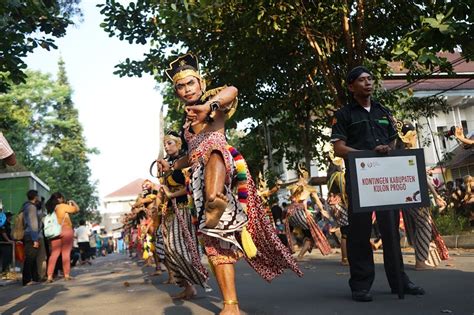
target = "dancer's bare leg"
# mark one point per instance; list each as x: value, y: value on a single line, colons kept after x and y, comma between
x: 344, y: 260
x: 171, y: 278
x: 214, y: 180
x: 225, y: 274
x: 188, y: 293
x: 306, y: 246
x: 158, y: 271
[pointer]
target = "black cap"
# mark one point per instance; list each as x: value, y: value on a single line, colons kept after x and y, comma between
x: 355, y: 73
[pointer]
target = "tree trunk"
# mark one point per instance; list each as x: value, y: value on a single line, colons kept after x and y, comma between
x: 268, y: 143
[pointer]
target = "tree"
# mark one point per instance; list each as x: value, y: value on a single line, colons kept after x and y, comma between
x: 64, y: 157
x: 288, y: 58
x: 26, y: 25
x: 43, y: 126
x: 22, y: 113
x: 450, y: 27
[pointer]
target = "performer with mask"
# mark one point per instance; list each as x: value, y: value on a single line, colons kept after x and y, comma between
x: 231, y: 225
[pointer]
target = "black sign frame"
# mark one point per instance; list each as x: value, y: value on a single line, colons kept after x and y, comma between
x: 421, y: 170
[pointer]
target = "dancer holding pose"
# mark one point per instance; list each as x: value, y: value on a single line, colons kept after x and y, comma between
x: 231, y: 225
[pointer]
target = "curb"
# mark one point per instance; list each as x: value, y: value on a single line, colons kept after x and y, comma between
x: 451, y: 241
x: 4, y: 283
x: 459, y: 241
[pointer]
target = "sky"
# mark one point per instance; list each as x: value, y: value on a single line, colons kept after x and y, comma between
x: 119, y: 115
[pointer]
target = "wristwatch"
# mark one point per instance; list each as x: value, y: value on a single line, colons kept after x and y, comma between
x: 215, y: 105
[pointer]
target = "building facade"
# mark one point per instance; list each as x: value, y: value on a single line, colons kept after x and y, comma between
x: 117, y: 203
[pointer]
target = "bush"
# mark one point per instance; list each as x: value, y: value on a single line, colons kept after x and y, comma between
x: 451, y: 223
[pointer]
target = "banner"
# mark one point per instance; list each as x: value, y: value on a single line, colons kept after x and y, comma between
x: 386, y: 182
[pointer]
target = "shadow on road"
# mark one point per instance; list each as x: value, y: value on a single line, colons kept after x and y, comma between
x: 31, y: 303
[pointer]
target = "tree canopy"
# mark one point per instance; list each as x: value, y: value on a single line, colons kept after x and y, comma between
x: 41, y: 123
x: 26, y: 25
x: 289, y: 58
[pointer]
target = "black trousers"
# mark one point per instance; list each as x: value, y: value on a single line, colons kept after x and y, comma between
x: 6, y: 256
x: 30, y: 269
x: 359, y: 250
x: 85, y: 248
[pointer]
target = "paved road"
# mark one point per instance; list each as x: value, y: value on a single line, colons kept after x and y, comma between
x: 100, y: 289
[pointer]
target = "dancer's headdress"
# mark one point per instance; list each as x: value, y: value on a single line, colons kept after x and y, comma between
x: 184, y: 66
x: 172, y: 135
x: 407, y: 133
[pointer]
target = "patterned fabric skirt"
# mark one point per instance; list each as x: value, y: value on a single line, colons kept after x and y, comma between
x: 298, y: 217
x: 181, y: 246
x: 159, y: 246
x: 272, y: 255
x: 420, y: 233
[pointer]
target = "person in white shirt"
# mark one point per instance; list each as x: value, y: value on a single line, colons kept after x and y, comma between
x: 82, y: 234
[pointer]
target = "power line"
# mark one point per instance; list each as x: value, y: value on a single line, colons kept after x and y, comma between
x: 409, y: 84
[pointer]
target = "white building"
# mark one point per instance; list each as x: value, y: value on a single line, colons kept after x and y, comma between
x: 119, y: 202
x: 459, y: 94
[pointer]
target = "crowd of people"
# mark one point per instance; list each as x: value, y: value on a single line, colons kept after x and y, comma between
x: 206, y: 203
x: 43, y: 256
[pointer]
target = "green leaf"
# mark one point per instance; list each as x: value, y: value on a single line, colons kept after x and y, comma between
x: 432, y: 22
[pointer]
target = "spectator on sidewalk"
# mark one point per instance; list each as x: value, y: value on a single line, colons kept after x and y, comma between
x: 7, y: 244
x: 75, y: 253
x: 42, y: 258
x: 92, y: 245
x: 98, y: 244
x: 62, y: 244
x: 82, y: 235
x: 104, y: 240
x: 31, y: 239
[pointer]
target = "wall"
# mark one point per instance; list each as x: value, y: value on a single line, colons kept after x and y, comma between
x: 13, y: 188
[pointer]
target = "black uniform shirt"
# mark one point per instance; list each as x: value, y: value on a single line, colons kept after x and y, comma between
x: 363, y: 130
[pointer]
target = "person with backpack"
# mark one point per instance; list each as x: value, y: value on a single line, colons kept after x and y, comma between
x: 63, y: 241
x: 31, y: 238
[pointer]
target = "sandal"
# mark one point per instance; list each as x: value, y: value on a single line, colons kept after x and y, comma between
x: 68, y: 278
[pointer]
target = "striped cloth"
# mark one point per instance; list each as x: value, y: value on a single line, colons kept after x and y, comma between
x: 159, y: 246
x: 181, y: 246
x: 418, y: 229
x: 298, y: 216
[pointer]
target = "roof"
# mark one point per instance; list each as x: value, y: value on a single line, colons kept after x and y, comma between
x: 437, y: 81
x: 7, y: 175
x: 131, y: 189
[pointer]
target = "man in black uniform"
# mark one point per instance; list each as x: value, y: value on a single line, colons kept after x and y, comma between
x: 364, y: 124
